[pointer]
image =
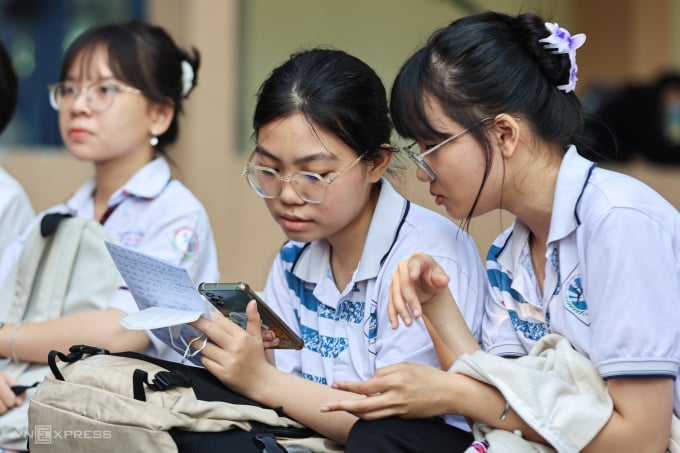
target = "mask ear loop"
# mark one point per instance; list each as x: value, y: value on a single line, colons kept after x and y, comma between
x: 187, y: 351
x: 185, y: 348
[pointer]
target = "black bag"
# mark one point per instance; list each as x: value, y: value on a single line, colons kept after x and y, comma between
x: 101, y: 401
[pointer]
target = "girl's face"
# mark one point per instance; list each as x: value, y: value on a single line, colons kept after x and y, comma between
x: 288, y: 145
x: 119, y: 133
x: 459, y: 166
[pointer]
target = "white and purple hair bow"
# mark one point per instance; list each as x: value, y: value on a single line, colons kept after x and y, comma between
x: 561, y: 41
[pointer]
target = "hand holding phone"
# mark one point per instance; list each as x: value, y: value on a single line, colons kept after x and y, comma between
x: 231, y: 299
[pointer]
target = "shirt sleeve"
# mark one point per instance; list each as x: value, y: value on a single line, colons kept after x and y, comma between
x: 282, y: 300
x: 16, y: 211
x: 498, y: 333
x: 460, y: 260
x: 631, y: 287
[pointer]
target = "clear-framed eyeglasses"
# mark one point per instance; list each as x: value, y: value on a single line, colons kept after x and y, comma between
x: 311, y: 187
x: 419, y: 158
x: 99, y: 95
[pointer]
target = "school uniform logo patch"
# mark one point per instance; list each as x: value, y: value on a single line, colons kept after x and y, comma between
x: 185, y: 241
x: 574, y: 299
x: 130, y: 238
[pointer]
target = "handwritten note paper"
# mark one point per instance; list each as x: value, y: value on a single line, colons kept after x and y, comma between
x: 166, y: 296
x: 156, y: 283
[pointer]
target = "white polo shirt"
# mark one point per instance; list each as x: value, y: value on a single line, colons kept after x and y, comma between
x: 347, y: 333
x: 16, y: 211
x: 612, y: 277
x: 154, y: 214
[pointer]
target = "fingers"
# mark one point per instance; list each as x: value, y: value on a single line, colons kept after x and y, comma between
x: 8, y: 399
x: 435, y: 276
x: 269, y: 339
x: 254, y: 323
x: 404, y: 302
x: 369, y: 408
x: 221, y: 330
x: 379, y: 383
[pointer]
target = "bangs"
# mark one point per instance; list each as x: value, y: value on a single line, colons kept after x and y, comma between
x: 407, y: 99
x: 117, y: 48
x: 83, y: 56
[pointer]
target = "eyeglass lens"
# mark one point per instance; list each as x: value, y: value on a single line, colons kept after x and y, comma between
x: 269, y: 184
x: 99, y: 95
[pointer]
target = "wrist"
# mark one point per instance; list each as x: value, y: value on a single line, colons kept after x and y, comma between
x: 260, y: 387
x: 5, y: 337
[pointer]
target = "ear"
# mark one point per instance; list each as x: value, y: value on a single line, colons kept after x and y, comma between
x: 379, y: 166
x: 506, y: 134
x: 161, y: 115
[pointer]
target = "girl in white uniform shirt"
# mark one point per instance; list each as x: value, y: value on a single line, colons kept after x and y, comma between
x: 323, y: 131
x: 593, y: 255
x: 121, y: 90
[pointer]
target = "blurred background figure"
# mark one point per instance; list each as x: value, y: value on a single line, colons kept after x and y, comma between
x: 15, y: 207
x: 635, y: 120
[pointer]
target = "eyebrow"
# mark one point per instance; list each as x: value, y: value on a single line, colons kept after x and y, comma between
x: 320, y: 156
x: 99, y: 79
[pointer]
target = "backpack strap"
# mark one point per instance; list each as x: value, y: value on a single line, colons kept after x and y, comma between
x: 19, y: 389
x: 163, y: 380
x: 76, y: 352
x: 265, y: 439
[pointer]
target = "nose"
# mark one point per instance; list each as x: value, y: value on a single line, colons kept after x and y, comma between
x: 80, y: 101
x: 288, y: 194
x: 422, y: 175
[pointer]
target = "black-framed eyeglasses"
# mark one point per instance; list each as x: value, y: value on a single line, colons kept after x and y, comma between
x: 99, y: 95
x: 418, y: 158
x: 311, y: 187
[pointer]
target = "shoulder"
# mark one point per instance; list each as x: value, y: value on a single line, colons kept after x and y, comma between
x: 176, y: 200
x: 433, y: 230
x: 612, y: 193
x: 8, y: 184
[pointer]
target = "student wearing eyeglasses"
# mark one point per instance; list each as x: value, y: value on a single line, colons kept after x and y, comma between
x: 322, y: 133
x: 581, y: 336
x: 121, y: 89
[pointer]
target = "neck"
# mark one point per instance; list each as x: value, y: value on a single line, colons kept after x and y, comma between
x: 531, y: 190
x: 111, y: 175
x: 347, y: 245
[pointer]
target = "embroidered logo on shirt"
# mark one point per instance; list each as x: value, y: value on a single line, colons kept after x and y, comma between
x: 185, y: 241
x: 574, y: 299
x: 130, y: 239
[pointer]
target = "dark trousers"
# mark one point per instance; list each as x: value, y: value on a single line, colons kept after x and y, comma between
x: 392, y: 435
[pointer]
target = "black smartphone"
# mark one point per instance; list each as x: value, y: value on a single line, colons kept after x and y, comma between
x: 231, y: 300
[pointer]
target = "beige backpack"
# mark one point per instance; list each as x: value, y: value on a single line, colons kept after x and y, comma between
x: 111, y: 402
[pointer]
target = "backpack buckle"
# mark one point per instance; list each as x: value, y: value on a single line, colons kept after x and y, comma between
x: 165, y: 380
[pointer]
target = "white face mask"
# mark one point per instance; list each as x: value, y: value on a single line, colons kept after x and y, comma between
x: 170, y: 326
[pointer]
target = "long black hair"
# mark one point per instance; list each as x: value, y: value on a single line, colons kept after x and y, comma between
x: 483, y: 65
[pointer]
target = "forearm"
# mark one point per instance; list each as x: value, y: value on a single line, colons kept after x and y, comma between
x: 32, y: 341
x: 448, y: 329
x: 485, y: 404
x: 640, y: 421
x: 301, y: 399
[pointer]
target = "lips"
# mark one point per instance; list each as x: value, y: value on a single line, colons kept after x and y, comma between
x: 78, y: 133
x: 293, y: 223
x: 438, y: 199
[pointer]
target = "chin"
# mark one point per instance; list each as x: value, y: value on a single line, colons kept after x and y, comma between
x: 82, y: 156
